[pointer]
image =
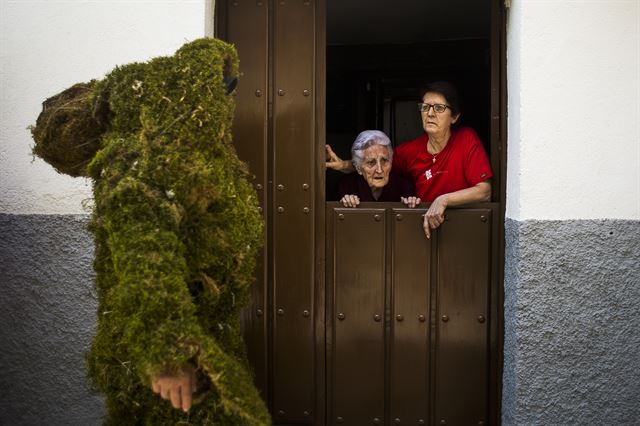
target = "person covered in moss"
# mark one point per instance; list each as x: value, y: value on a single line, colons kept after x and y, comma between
x: 176, y: 227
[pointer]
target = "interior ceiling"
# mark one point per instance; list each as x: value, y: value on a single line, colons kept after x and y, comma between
x: 405, y: 21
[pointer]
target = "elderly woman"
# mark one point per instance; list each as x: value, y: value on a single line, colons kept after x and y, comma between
x: 371, y: 155
x: 448, y: 165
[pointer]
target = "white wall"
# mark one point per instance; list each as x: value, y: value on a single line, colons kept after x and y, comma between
x: 45, y: 47
x: 573, y: 70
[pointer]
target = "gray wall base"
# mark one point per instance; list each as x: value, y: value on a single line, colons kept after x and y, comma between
x: 47, y: 320
x: 572, y: 323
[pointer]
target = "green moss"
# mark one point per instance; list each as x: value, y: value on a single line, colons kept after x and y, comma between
x: 176, y: 227
x: 67, y: 132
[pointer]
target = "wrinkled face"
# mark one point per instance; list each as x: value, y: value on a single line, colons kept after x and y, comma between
x: 376, y: 166
x: 437, y: 122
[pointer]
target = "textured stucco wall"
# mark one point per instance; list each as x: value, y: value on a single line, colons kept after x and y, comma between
x: 572, y: 260
x: 572, y: 323
x: 47, y: 319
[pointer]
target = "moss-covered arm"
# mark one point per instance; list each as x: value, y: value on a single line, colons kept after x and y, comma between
x: 159, y: 327
x: 158, y: 323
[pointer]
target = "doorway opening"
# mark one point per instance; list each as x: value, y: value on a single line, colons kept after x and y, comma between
x: 380, y: 54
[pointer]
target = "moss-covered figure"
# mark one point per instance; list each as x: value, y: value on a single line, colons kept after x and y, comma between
x: 176, y: 231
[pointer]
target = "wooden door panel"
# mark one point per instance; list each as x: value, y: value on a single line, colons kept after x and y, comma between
x: 409, y: 355
x: 461, y: 364
x: 293, y: 204
x: 357, y: 358
x: 247, y: 28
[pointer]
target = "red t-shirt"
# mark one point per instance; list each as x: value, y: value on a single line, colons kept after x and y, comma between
x: 463, y: 163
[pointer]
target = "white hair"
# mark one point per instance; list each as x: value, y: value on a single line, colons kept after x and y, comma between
x: 365, y: 140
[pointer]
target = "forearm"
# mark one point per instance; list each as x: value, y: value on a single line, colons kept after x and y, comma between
x: 347, y: 167
x: 151, y: 298
x: 475, y: 194
x: 149, y: 301
x: 344, y: 166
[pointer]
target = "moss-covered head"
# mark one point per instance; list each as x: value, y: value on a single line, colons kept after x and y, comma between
x: 68, y: 130
x: 162, y: 96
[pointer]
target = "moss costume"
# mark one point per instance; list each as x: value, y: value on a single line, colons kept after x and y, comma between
x: 176, y: 229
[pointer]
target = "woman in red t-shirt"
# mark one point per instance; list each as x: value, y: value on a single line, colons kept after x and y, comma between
x: 448, y: 166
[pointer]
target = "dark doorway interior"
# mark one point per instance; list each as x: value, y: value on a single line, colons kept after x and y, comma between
x: 381, y: 53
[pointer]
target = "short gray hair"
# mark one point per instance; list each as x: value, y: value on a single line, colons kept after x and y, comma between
x: 365, y: 140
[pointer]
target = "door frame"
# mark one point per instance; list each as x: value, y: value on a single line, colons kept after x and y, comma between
x: 498, y: 156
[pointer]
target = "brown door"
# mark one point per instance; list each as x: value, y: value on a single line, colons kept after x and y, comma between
x: 409, y: 318
x: 251, y: 137
x: 275, y: 131
x: 356, y: 319
x: 356, y: 344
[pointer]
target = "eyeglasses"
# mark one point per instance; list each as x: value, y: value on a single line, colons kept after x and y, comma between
x: 439, y: 108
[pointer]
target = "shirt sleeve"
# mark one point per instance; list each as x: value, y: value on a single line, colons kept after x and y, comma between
x: 477, y: 168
